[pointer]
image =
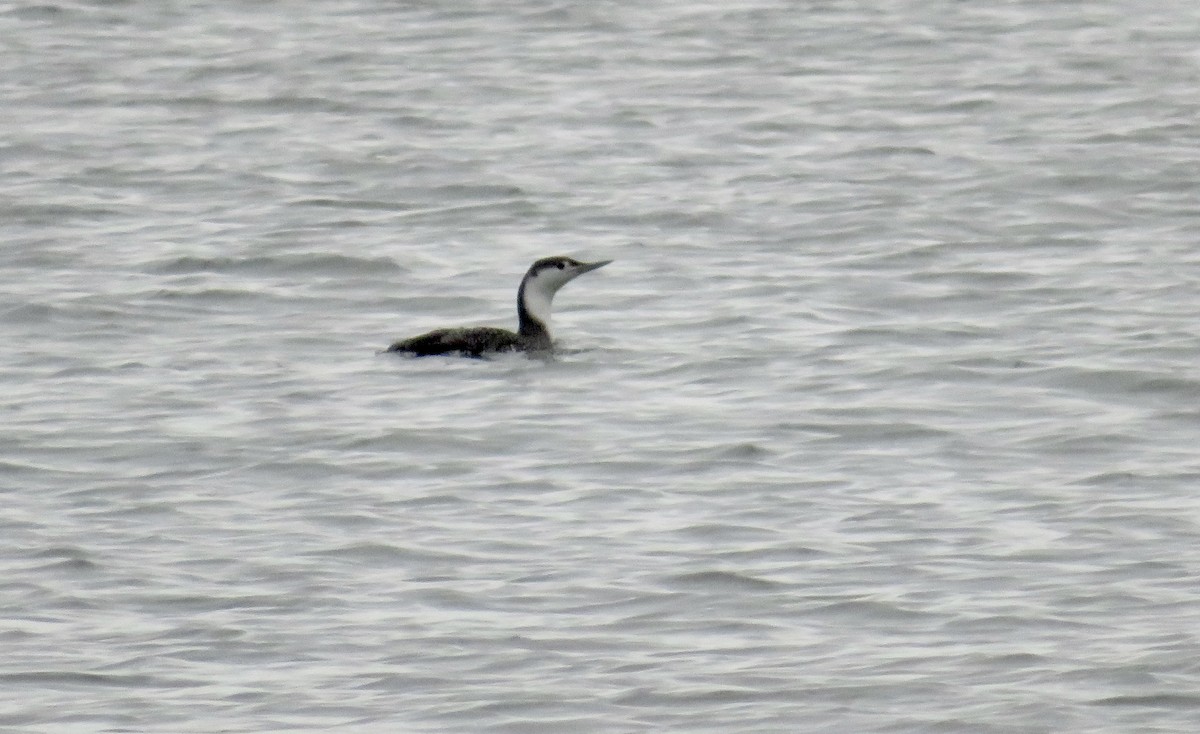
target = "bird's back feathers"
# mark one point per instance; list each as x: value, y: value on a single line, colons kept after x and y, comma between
x: 471, y: 341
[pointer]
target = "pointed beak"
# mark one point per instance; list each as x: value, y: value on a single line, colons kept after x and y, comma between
x: 588, y: 267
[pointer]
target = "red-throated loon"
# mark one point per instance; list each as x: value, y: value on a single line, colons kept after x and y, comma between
x: 541, y: 282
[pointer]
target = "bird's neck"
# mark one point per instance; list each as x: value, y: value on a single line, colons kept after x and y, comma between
x: 533, y: 315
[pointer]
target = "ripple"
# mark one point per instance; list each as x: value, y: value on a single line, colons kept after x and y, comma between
x: 720, y: 581
x: 70, y: 679
x: 315, y: 263
x: 1154, y: 700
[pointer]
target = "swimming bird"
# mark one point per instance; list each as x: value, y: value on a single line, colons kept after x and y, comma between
x: 534, y: 296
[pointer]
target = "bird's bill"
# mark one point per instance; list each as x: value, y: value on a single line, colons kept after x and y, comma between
x: 588, y: 267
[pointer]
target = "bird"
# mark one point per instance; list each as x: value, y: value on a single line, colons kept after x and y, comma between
x: 534, y: 297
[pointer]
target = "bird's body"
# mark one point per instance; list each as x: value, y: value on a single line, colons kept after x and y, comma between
x: 473, y: 341
x: 534, y: 299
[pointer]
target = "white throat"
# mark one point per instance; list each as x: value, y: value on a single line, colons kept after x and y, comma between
x: 539, y: 295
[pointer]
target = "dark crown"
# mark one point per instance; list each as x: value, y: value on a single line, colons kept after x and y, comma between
x: 557, y: 261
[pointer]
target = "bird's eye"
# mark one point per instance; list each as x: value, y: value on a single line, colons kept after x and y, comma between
x: 561, y: 266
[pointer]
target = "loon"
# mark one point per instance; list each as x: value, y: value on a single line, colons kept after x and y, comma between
x: 541, y: 282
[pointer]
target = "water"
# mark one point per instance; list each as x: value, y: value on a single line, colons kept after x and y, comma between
x: 884, y: 419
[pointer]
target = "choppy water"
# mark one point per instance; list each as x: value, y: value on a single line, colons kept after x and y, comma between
x: 885, y: 419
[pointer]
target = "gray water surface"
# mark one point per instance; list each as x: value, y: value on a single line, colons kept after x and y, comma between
x: 885, y: 419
